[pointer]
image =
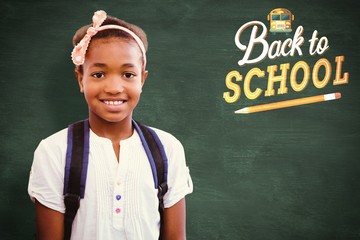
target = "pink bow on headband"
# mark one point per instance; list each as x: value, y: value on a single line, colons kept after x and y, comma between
x: 79, y: 51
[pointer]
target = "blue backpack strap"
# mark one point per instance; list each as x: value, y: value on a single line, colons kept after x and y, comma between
x: 159, y: 163
x: 77, y: 158
x: 155, y: 152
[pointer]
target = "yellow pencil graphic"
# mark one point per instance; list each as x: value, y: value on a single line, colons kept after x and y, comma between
x: 289, y: 103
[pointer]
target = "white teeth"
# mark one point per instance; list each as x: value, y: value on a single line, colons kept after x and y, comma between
x: 113, y: 102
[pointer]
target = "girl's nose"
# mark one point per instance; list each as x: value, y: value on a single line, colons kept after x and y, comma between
x: 114, y: 85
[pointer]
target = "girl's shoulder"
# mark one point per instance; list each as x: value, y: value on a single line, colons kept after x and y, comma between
x: 167, y: 139
x: 55, y: 142
x: 57, y: 137
x: 51, y: 152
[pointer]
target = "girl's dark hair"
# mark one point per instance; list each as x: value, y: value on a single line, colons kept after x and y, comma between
x: 80, y: 33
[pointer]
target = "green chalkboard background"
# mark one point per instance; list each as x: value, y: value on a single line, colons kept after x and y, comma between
x: 286, y: 174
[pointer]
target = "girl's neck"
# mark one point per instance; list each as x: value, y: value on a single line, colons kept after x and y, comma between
x: 115, y: 131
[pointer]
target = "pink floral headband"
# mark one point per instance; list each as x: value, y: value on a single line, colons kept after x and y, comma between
x: 79, y: 51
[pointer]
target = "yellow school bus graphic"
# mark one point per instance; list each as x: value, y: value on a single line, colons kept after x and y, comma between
x: 280, y: 20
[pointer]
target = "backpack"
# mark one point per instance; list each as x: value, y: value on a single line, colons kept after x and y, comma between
x: 77, y: 156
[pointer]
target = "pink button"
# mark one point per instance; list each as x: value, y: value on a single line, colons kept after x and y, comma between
x: 118, y: 210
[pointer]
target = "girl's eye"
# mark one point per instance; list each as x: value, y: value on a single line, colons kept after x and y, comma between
x: 129, y: 75
x: 98, y: 75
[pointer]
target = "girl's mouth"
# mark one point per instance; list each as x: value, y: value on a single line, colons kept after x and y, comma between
x: 113, y: 103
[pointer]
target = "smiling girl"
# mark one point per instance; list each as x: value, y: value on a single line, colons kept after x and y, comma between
x: 120, y: 200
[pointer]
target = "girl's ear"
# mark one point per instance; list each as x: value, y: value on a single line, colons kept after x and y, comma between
x: 144, y: 76
x: 79, y: 77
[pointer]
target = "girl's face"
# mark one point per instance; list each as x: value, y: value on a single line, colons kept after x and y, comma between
x: 112, y: 78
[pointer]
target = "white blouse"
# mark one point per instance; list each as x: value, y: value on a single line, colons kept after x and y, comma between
x: 120, y: 197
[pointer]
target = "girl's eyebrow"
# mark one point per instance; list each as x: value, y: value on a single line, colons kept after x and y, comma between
x: 104, y: 65
x: 99, y: 65
x: 128, y: 65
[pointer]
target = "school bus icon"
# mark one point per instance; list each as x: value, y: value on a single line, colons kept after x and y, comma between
x: 280, y: 20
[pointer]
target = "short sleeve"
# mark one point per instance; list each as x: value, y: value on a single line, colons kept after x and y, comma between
x: 179, y: 180
x: 46, y: 179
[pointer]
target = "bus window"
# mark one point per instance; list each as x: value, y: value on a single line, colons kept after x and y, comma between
x: 285, y: 17
x: 275, y: 17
